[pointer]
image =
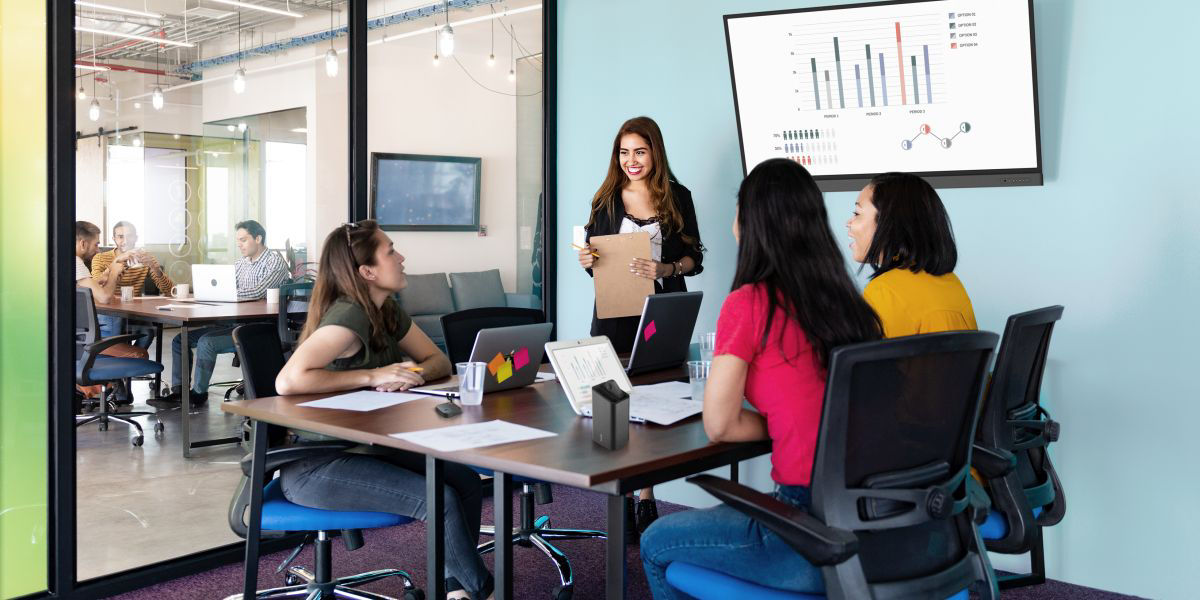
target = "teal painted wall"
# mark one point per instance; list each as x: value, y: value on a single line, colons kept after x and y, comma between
x: 1113, y: 236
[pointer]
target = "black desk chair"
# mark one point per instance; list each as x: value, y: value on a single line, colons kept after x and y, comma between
x: 893, y: 513
x: 461, y: 327
x: 293, y: 312
x: 92, y: 368
x: 1015, y: 433
x: 262, y: 358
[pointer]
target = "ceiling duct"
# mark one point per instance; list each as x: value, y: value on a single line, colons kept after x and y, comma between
x: 206, y: 10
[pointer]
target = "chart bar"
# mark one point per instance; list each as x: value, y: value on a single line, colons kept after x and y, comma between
x: 816, y: 90
x: 828, y: 95
x: 882, y: 79
x: 858, y: 84
x: 837, y: 63
x: 870, y: 75
x: 900, y: 61
x: 928, y: 81
x: 916, y: 90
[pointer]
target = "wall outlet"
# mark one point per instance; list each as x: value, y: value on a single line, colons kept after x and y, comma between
x: 483, y: 231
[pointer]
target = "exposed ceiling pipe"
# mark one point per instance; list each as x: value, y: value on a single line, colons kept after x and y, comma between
x: 116, y: 67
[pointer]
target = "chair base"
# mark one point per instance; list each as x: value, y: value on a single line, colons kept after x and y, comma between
x: 539, y: 534
x: 340, y: 588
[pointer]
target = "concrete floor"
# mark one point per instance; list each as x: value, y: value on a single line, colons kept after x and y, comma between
x: 142, y: 505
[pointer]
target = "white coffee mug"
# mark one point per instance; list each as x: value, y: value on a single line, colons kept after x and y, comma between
x: 273, y: 296
x: 126, y: 293
x: 181, y: 290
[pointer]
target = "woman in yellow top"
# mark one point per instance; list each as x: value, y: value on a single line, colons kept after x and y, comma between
x: 902, y: 230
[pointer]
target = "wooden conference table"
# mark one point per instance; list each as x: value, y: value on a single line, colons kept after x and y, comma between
x: 654, y: 455
x: 147, y: 309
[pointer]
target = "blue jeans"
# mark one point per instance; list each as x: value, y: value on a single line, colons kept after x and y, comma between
x: 206, y: 343
x: 110, y: 326
x: 725, y: 540
x: 394, y: 482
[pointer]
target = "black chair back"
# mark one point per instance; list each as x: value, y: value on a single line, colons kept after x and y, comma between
x: 892, y: 464
x: 261, y: 354
x: 293, y: 312
x: 87, y: 326
x: 460, y: 328
x: 1013, y: 420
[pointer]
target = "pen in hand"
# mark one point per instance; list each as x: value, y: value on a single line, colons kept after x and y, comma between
x: 578, y: 247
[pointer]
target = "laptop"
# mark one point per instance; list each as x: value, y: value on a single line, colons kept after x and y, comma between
x: 581, y: 364
x: 512, y: 354
x: 215, y: 283
x: 665, y: 331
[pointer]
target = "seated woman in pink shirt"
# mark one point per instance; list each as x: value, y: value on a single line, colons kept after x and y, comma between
x: 792, y: 303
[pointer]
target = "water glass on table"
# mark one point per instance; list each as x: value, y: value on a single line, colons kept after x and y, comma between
x: 470, y: 382
x: 698, y: 377
x: 707, y: 341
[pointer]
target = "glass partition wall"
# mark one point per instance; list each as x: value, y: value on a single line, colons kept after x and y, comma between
x: 192, y: 118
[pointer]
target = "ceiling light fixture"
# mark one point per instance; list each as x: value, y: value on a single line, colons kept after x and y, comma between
x: 492, y: 54
x: 118, y: 9
x: 274, y: 11
x: 446, y: 35
x: 94, y: 110
x: 82, y: 95
x: 331, y: 59
x: 512, y: 57
x: 239, y: 76
x: 156, y: 97
x: 131, y: 36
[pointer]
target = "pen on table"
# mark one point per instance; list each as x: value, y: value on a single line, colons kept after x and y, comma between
x: 578, y: 247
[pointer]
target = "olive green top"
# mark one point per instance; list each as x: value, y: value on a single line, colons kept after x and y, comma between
x: 352, y: 316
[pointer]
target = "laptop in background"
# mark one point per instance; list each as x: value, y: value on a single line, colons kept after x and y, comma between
x: 512, y: 354
x: 664, y: 332
x: 215, y: 283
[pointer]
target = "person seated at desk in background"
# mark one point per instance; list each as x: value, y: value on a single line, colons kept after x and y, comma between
x: 902, y: 230
x: 87, y: 244
x: 357, y: 336
x: 258, y: 270
x: 138, y: 263
x: 793, y: 302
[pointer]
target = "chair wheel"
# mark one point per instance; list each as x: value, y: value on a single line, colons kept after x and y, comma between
x: 138, y: 440
x: 290, y: 580
x: 159, y: 428
x: 564, y: 592
x: 414, y: 595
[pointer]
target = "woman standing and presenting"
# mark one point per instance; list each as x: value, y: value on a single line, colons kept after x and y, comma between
x: 639, y: 193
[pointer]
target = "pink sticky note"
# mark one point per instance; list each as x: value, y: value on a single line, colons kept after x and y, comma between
x: 521, y: 358
x: 504, y: 372
x: 649, y: 331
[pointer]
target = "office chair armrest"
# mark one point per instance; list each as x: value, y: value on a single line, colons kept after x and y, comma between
x: 817, y: 542
x: 979, y: 503
x: 992, y: 462
x: 99, y: 346
x: 278, y: 457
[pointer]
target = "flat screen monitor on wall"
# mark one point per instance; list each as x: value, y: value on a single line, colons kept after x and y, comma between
x: 943, y: 88
x: 416, y: 192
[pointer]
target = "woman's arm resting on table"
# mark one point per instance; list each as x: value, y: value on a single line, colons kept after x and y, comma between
x: 724, y: 418
x: 305, y: 372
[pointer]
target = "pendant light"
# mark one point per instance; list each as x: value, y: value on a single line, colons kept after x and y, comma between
x: 239, y: 76
x: 331, y: 58
x: 446, y: 35
x: 512, y: 57
x: 156, y: 97
x: 492, y: 54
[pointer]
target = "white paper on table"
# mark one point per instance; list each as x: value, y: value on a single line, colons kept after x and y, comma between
x: 663, y: 403
x: 544, y: 376
x: 188, y: 305
x: 363, y: 401
x: 474, y: 435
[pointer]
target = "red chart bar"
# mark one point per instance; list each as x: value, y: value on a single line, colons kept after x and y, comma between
x: 900, y: 59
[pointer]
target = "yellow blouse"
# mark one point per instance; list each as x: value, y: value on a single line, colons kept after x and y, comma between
x: 910, y: 303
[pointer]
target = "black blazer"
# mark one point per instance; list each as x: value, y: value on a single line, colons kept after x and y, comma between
x: 622, y: 330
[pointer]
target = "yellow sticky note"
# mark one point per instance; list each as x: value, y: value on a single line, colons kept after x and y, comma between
x: 504, y: 372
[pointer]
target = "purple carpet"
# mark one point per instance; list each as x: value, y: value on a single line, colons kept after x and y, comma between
x: 404, y: 548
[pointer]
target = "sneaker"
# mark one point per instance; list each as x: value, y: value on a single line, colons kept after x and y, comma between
x: 647, y: 513
x: 631, y: 529
x: 176, y: 397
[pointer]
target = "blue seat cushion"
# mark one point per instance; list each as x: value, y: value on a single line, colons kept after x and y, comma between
x: 112, y: 368
x: 996, y: 526
x: 280, y: 514
x: 702, y: 583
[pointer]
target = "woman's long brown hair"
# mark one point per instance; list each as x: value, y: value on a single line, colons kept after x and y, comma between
x: 345, y: 249
x: 658, y: 180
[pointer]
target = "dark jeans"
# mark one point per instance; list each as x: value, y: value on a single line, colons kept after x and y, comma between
x: 395, y: 483
x: 110, y: 326
x: 725, y: 540
x: 206, y: 344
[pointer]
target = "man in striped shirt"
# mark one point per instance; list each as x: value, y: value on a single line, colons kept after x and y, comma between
x: 138, y: 264
x: 258, y: 270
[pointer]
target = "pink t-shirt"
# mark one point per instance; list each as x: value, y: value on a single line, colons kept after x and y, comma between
x: 784, y: 382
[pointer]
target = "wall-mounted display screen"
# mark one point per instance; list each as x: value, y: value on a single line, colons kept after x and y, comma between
x: 414, y: 192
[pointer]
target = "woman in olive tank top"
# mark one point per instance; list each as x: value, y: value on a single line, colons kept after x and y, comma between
x: 357, y: 336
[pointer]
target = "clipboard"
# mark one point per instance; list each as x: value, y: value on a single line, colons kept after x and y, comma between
x: 620, y: 293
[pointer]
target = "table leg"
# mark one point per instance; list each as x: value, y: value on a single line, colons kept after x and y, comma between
x: 254, y: 525
x: 733, y: 471
x: 615, y: 567
x: 158, y: 337
x: 435, y: 529
x: 503, y: 520
x: 185, y: 391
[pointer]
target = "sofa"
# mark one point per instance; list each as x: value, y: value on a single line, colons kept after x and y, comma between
x: 429, y: 296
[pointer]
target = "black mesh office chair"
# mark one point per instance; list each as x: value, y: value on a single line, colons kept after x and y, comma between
x: 293, y: 312
x: 261, y: 359
x: 461, y: 327
x: 892, y: 513
x: 1024, y: 487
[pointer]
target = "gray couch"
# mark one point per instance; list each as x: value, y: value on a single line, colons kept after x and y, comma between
x: 430, y: 296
